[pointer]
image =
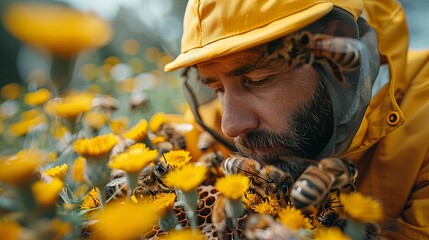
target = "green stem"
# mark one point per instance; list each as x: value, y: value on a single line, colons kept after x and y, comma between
x: 234, y: 208
x: 98, y: 175
x: 354, y: 229
x: 62, y: 71
x: 102, y: 196
x: 27, y: 203
x: 234, y: 228
x: 190, y: 201
x: 169, y: 221
x: 132, y: 179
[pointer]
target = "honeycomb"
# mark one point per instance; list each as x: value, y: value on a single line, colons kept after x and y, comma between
x: 207, y: 197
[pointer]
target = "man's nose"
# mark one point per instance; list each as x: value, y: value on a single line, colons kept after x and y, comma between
x: 238, y: 116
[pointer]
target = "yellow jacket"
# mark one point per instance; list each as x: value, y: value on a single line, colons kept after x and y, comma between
x: 391, y: 146
x: 392, y: 143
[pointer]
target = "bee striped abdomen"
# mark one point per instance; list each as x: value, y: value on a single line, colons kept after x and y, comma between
x: 341, y: 52
x: 311, y: 187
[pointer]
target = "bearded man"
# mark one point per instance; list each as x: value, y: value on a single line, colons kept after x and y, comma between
x: 314, y: 79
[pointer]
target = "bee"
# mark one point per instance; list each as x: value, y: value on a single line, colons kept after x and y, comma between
x: 266, y: 180
x: 328, y: 218
x: 164, y: 147
x: 264, y: 227
x: 314, y: 184
x: 139, y: 100
x: 218, y: 216
x: 117, y: 189
x: 205, y: 141
x: 211, y: 161
x: 341, y: 53
x: 150, y: 180
x: 104, y: 102
x: 174, y: 133
x: 122, y: 146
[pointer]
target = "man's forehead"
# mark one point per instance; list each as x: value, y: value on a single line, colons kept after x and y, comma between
x: 245, y: 57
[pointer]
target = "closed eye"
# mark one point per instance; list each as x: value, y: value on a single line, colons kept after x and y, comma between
x: 258, y: 83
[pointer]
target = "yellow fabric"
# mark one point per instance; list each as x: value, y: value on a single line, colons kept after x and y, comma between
x: 393, y: 159
x: 233, y: 26
x: 211, y: 114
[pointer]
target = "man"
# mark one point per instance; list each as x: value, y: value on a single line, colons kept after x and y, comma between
x: 298, y: 79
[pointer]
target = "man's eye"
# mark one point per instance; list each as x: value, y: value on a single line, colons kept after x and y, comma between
x: 218, y: 90
x: 258, y: 83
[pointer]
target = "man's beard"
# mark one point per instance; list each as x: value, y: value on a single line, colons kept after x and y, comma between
x: 312, y: 127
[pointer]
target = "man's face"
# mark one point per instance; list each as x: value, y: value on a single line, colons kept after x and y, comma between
x: 270, y: 109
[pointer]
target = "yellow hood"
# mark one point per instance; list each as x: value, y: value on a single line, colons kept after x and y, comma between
x: 383, y: 114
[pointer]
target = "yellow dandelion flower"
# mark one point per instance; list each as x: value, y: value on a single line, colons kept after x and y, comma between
x: 9, y: 230
x: 268, y: 206
x: 138, y: 132
x: 33, y: 154
x: 361, y: 208
x: 96, y: 120
x: 265, y: 208
x: 90, y: 200
x: 38, y: 97
x: 233, y: 186
x: 78, y: 170
x: 186, y: 234
x: 30, y: 114
x: 140, y: 217
x: 186, y: 178
x: 134, y: 159
x: 95, y: 147
x: 177, y: 158
x: 46, y: 193
x: 163, y: 202
x: 19, y: 169
x: 119, y: 126
x: 11, y: 91
x: 250, y: 199
x: 62, y: 30
x: 158, y: 139
x: 58, y: 171
x: 1, y: 126
x: 58, y: 130
x: 29, y: 120
x: 332, y: 233
x: 73, y: 105
x: 61, y: 228
x: 293, y: 218
x: 156, y: 121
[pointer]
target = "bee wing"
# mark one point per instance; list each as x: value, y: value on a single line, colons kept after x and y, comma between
x: 333, y: 44
x: 183, y: 127
x: 253, y: 171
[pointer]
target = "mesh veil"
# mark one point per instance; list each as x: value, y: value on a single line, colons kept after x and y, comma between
x: 348, y: 88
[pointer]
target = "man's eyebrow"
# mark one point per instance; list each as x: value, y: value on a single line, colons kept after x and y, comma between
x: 239, y: 71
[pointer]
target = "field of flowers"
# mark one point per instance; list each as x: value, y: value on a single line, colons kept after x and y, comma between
x: 100, y: 149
